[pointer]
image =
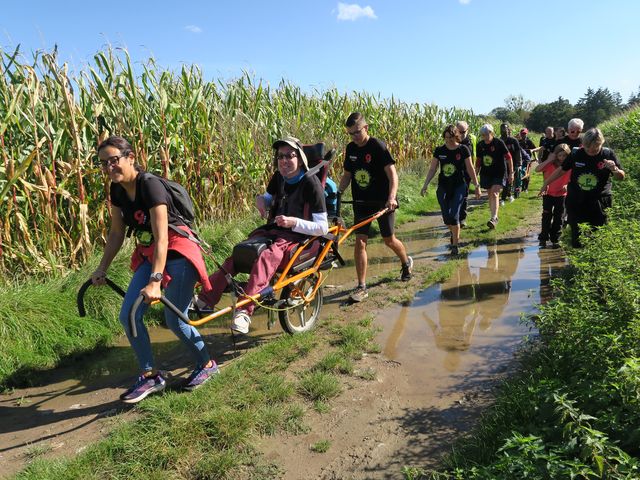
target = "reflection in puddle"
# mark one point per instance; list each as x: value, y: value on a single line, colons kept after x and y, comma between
x: 473, y: 319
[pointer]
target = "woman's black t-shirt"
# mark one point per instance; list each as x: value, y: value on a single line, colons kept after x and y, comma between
x: 590, y: 178
x: 452, y: 165
x: 150, y: 192
x: 492, y: 158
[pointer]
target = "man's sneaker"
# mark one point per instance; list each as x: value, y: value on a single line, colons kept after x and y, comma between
x: 555, y: 245
x: 144, y: 387
x: 511, y: 199
x: 359, y: 294
x: 492, y: 223
x: 543, y: 244
x: 463, y: 223
x: 405, y: 274
x: 241, y: 322
x: 454, y: 250
x: 199, y: 376
x: 502, y: 203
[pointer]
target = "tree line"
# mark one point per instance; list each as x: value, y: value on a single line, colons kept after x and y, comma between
x: 596, y: 106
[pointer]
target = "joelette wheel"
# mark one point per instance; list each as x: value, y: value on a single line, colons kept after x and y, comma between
x: 301, y: 311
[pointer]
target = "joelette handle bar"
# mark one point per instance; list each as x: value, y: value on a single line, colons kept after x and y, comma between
x: 80, y: 298
x: 134, y: 308
x: 167, y: 303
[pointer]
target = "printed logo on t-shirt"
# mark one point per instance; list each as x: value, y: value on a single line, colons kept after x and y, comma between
x: 353, y: 158
x: 144, y: 237
x: 367, y: 158
x: 448, y: 169
x: 587, y: 181
x: 363, y: 178
x: 487, y: 160
x: 140, y: 217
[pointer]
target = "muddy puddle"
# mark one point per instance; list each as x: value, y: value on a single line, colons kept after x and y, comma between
x: 455, y: 340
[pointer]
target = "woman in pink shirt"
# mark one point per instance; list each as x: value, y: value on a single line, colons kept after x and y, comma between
x: 553, y: 196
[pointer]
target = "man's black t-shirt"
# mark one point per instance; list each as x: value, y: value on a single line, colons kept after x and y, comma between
x: 150, y: 192
x: 514, y: 149
x: 590, y: 178
x: 366, y: 164
x: 491, y: 158
x: 301, y: 199
x: 452, y: 165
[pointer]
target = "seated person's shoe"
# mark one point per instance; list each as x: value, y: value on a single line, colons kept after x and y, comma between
x: 241, y: 322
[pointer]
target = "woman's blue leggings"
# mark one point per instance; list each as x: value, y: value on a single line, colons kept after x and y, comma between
x: 179, y: 292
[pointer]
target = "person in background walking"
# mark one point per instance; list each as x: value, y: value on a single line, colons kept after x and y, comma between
x: 589, y: 189
x: 529, y: 149
x: 469, y: 140
x: 553, y: 197
x: 514, y: 149
x: 371, y: 171
x: 453, y: 159
x: 496, y: 168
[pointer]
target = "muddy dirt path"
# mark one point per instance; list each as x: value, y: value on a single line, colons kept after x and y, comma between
x: 75, y: 405
x: 437, y: 366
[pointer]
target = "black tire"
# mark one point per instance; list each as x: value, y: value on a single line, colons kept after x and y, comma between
x: 298, y: 316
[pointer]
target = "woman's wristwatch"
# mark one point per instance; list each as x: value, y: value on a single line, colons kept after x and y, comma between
x: 156, y: 277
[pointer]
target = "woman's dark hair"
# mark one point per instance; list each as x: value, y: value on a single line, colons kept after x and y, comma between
x: 452, y: 131
x: 117, y: 142
x: 121, y: 144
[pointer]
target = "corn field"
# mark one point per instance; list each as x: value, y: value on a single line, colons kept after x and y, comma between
x: 212, y: 136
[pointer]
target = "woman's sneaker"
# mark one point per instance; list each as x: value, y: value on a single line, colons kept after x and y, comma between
x: 492, y: 223
x: 241, y: 322
x: 199, y: 376
x: 144, y: 387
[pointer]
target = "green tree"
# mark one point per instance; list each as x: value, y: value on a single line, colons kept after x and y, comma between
x: 516, y: 110
x: 598, y: 105
x: 634, y: 99
x: 554, y: 114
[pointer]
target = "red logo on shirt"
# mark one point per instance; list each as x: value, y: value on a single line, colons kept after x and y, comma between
x: 139, y: 217
x: 457, y: 156
x: 600, y: 165
x: 367, y: 158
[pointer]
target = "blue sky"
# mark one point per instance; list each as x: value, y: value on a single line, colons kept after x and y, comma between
x: 465, y: 53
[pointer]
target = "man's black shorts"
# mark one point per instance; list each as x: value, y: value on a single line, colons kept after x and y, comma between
x: 386, y: 222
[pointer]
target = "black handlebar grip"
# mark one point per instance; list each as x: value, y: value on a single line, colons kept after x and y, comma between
x: 80, y: 297
x: 165, y: 302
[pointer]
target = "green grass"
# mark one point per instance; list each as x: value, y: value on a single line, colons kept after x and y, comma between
x: 321, y: 447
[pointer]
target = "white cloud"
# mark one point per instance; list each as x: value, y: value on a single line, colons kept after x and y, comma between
x: 465, y: 2
x: 193, y: 29
x: 353, y: 11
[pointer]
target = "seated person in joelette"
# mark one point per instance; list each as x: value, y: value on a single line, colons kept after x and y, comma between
x: 294, y: 205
